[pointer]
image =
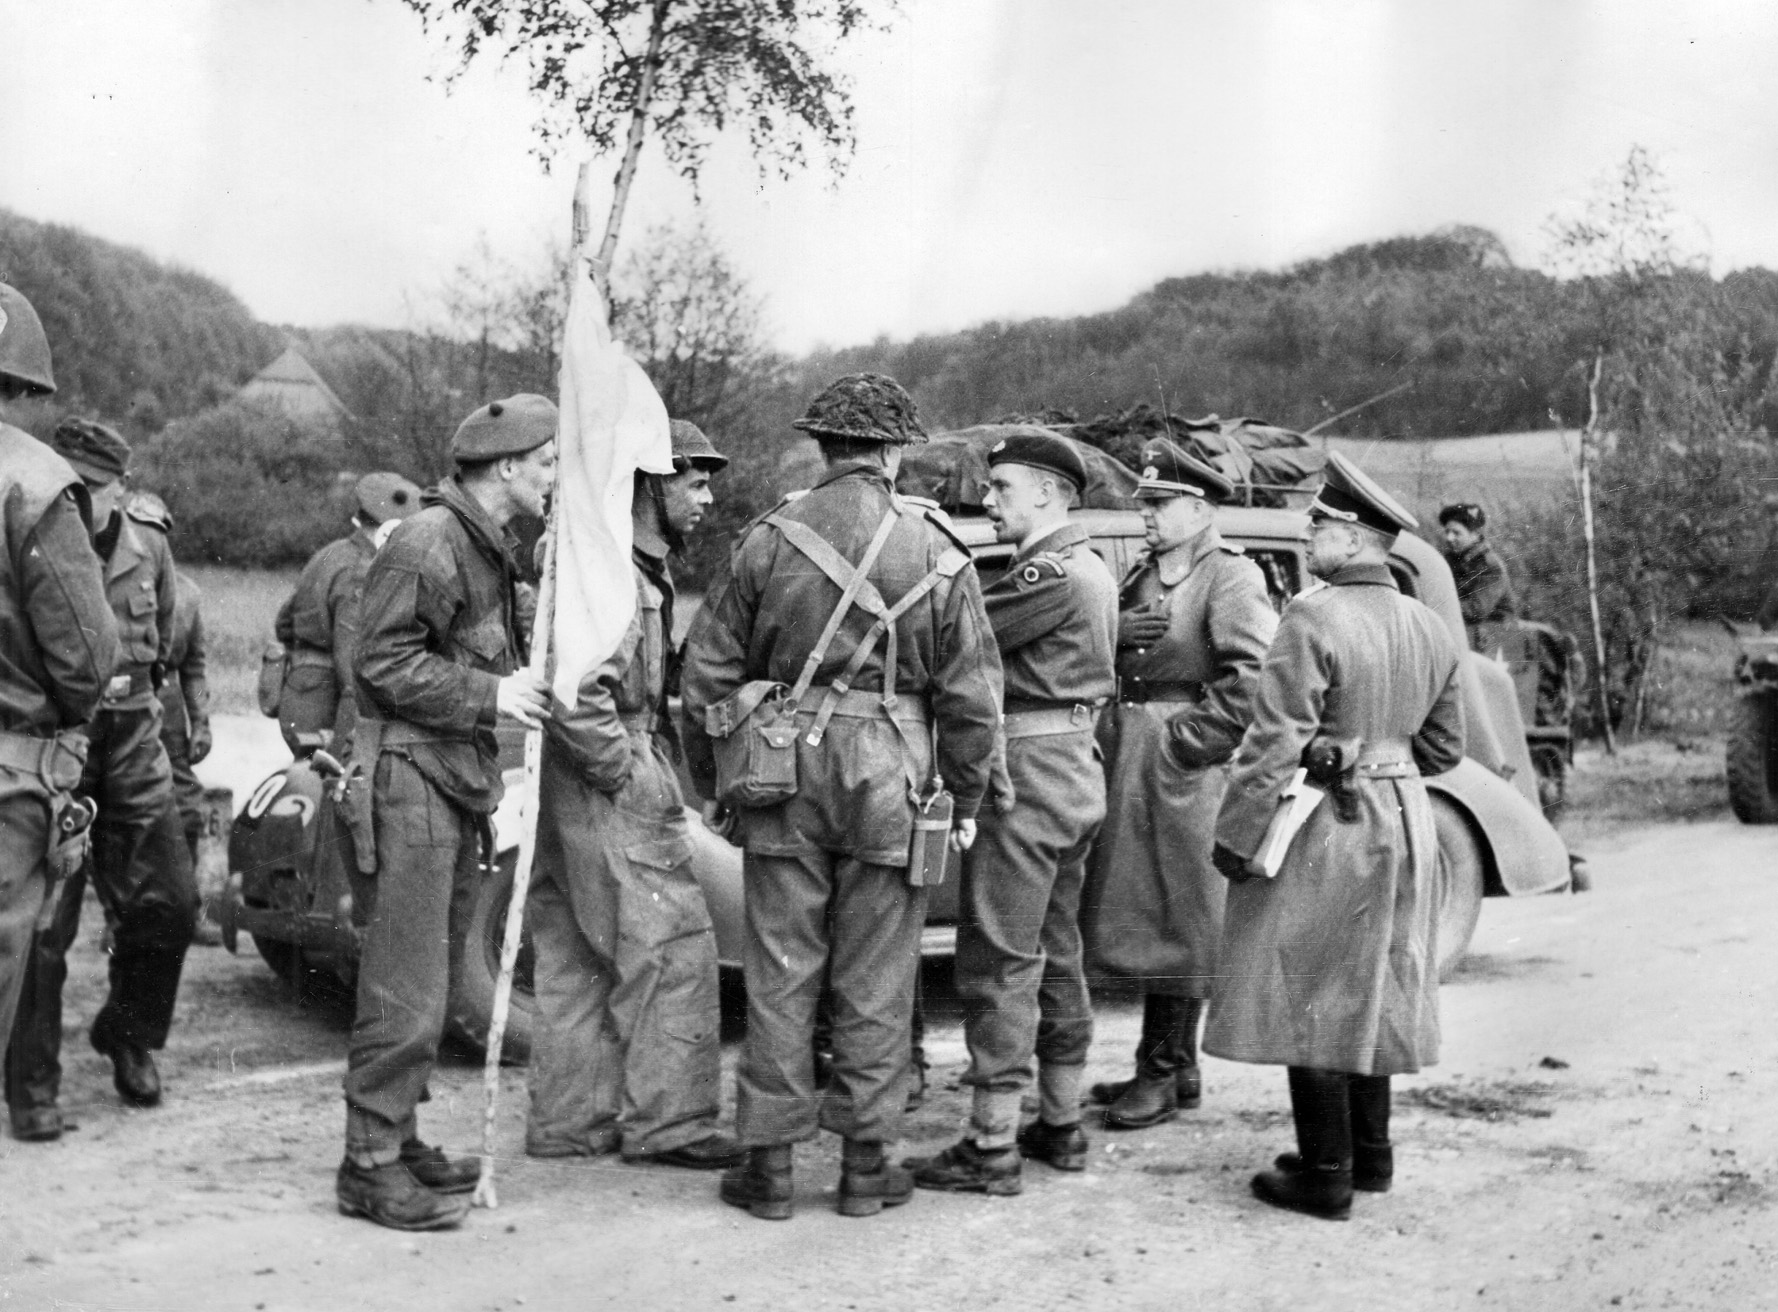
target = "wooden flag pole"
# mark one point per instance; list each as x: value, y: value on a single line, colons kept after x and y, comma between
x: 542, y: 634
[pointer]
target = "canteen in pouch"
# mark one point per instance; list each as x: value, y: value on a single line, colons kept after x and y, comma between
x: 754, y: 735
x: 271, y: 678
x: 929, y: 850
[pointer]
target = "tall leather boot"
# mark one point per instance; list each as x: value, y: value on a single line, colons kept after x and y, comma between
x: 1168, y: 1049
x: 1373, y: 1156
x: 1190, y: 1088
x: 1322, y: 1184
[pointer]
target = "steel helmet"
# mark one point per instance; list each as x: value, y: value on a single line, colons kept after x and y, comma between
x: 692, y: 450
x: 865, y: 407
x: 24, y: 350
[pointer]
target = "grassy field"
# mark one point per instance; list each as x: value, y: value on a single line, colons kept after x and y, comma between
x: 239, y: 607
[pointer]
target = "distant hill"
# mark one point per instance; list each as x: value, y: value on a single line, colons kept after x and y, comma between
x: 135, y: 341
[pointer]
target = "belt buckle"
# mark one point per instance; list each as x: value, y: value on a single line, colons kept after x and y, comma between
x: 118, y: 687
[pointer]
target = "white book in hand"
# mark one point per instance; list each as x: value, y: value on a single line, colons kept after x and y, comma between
x: 1295, y: 805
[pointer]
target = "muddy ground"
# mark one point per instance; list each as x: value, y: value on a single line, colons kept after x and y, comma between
x: 1600, y: 1134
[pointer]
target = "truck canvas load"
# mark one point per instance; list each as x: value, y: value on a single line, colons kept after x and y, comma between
x: 1263, y: 459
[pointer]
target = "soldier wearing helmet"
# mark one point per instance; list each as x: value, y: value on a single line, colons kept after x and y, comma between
x: 439, y: 662
x: 318, y: 623
x: 58, y: 642
x: 868, y: 609
x: 140, y: 866
x: 626, y: 1054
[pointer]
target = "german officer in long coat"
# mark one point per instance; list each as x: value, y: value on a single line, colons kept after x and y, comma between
x: 1194, y: 623
x: 1330, y: 968
x: 1019, y: 960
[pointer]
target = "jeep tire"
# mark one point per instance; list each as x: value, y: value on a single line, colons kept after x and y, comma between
x: 1753, y: 758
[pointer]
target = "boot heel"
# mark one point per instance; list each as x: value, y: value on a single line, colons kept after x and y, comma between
x: 860, y: 1206
x: 770, y: 1209
x: 1004, y: 1187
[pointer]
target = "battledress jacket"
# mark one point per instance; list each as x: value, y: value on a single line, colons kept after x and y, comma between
x: 58, y: 638
x: 766, y: 621
x: 139, y: 584
x: 318, y: 624
x: 437, y: 634
x: 1152, y: 909
x: 1334, y: 963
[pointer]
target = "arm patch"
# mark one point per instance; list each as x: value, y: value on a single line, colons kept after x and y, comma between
x: 1041, y: 567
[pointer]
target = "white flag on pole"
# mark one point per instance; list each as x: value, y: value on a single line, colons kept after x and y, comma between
x: 613, y: 423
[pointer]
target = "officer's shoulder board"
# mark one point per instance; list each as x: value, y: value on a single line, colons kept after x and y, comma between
x: 146, y: 508
x: 1233, y: 548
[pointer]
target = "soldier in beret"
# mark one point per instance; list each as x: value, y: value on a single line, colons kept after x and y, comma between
x: 318, y: 622
x: 628, y: 1051
x: 139, y: 864
x: 1484, y: 588
x: 439, y: 662
x: 1019, y: 968
x: 58, y: 642
x: 892, y: 705
x: 1329, y: 968
x: 1193, y: 627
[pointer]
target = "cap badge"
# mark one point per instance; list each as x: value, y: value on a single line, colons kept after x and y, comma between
x: 998, y: 447
x: 1150, y: 474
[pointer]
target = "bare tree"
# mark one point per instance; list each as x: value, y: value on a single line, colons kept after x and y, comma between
x: 681, y: 70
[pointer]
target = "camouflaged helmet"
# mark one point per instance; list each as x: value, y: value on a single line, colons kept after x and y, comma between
x: 24, y: 350
x: 865, y: 408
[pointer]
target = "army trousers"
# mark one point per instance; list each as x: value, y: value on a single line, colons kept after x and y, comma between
x: 827, y: 917
x: 429, y: 853
x: 627, y: 1045
x: 140, y: 870
x: 1020, y: 972
x: 24, y: 872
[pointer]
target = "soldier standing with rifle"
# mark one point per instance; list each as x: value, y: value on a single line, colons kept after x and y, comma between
x: 58, y: 642
x: 439, y: 661
x: 830, y: 884
x: 1019, y: 962
x: 1330, y: 968
x: 139, y: 863
x: 628, y: 1050
x: 1193, y: 628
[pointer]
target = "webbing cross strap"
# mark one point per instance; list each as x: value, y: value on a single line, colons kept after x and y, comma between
x: 857, y: 590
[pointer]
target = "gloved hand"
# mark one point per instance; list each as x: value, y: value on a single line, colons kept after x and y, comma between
x: 1142, y: 627
x: 201, y: 742
x: 1230, y: 866
x: 722, y: 821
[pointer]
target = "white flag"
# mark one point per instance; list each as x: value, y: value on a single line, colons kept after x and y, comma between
x: 613, y: 423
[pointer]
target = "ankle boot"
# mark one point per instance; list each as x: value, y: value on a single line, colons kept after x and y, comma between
x: 1168, y: 1048
x: 1322, y: 1183
x: 869, y: 1181
x: 762, y: 1184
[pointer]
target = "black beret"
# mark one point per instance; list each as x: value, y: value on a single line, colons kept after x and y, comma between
x: 1466, y: 513
x: 98, y: 452
x: 1040, y: 449
x: 505, y: 428
x: 1170, y: 471
x: 1348, y: 493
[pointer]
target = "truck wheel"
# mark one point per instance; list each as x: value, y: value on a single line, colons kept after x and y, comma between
x: 1461, y: 872
x: 475, y: 966
x: 1753, y: 759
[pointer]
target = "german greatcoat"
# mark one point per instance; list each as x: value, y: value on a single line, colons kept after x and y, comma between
x: 1333, y: 963
x: 1153, y: 906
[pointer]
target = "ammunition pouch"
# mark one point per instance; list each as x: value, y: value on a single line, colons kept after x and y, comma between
x: 753, y: 732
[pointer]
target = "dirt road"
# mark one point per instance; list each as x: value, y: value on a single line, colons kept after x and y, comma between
x: 1601, y: 1133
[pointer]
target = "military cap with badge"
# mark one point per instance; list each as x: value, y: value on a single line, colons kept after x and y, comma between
x: 97, y: 451
x: 1038, y: 449
x: 1170, y: 471
x: 1352, y: 496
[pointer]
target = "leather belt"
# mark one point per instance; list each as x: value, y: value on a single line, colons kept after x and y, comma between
x: 399, y: 733
x: 1392, y: 758
x: 1047, y: 721
x: 1138, y: 691
x: 865, y: 704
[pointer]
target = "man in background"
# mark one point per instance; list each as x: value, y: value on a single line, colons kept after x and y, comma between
x: 1484, y: 590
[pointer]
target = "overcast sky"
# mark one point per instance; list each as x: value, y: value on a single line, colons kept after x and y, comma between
x: 1015, y: 157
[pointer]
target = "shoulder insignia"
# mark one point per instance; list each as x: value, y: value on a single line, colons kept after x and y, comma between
x: 1045, y: 565
x: 146, y: 508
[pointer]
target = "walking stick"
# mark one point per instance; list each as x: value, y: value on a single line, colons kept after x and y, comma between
x: 541, y: 629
